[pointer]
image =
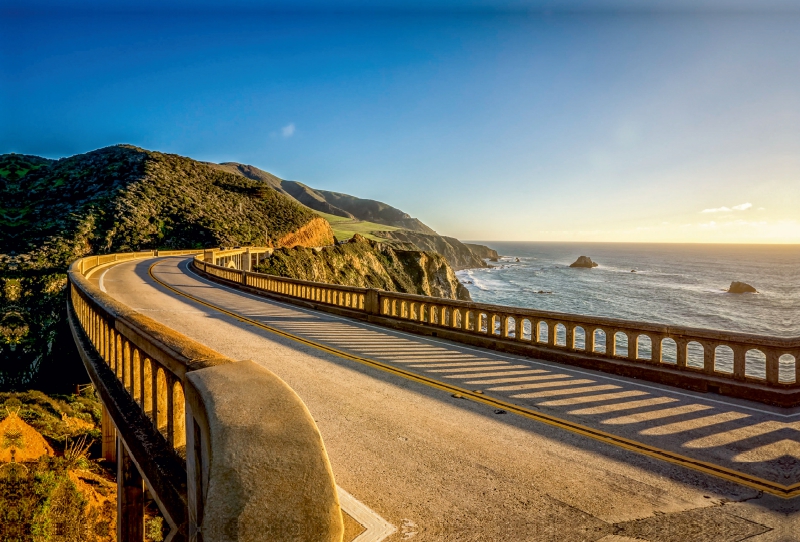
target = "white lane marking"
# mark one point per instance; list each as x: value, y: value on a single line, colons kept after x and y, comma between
x: 185, y: 263
x: 375, y: 527
x: 101, y: 281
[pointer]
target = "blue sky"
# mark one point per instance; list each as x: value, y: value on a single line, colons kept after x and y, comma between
x: 556, y: 121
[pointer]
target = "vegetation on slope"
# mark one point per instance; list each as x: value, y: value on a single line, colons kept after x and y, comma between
x: 332, y: 203
x: 118, y: 198
x: 58, y: 493
x: 345, y: 228
x: 367, y: 264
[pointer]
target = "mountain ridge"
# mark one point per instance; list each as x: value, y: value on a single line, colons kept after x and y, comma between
x: 334, y: 203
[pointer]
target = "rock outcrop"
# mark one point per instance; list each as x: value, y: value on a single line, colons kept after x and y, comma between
x: 369, y: 264
x: 458, y: 255
x: 20, y: 442
x: 482, y: 251
x: 741, y: 288
x: 583, y: 261
x: 316, y: 233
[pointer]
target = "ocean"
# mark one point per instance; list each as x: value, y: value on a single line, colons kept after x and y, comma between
x: 680, y: 284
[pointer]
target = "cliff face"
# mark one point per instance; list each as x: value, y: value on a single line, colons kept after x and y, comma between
x: 367, y: 264
x: 458, y: 255
x: 482, y: 251
x: 316, y: 233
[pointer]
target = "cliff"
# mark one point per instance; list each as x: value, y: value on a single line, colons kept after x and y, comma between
x: 458, y: 255
x: 316, y: 233
x: 367, y: 264
x: 482, y: 251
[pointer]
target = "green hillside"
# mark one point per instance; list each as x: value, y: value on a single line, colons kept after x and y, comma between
x: 345, y: 228
x: 115, y: 199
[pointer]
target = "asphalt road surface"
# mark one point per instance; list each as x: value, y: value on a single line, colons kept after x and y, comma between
x: 445, y: 468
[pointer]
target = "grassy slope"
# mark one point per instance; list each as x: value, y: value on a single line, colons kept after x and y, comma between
x: 345, y: 228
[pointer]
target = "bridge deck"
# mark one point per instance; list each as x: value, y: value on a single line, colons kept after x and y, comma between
x: 440, y: 467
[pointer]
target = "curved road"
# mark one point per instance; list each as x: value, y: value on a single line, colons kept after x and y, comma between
x: 440, y: 467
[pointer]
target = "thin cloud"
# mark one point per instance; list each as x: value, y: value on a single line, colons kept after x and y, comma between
x: 717, y: 210
x: 288, y: 130
x: 741, y: 207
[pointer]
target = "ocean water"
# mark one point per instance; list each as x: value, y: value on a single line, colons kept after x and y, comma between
x: 673, y: 284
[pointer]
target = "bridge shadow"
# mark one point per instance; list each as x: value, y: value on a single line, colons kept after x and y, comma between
x: 738, y: 435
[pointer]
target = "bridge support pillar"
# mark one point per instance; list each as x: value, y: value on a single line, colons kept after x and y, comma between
x: 130, y: 498
x: 109, y: 433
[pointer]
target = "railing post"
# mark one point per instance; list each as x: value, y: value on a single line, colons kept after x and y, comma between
x: 551, y: 333
x: 681, y: 346
x: 372, y: 302
x: 633, y: 345
x: 588, y: 333
x: 709, y: 353
x: 130, y: 498
x: 247, y: 261
x: 773, y: 366
x: 194, y: 476
x: 738, y: 361
x: 655, y: 348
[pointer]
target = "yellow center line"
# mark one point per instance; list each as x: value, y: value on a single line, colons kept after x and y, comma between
x: 725, y: 473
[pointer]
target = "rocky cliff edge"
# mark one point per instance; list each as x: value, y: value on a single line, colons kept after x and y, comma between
x: 364, y: 263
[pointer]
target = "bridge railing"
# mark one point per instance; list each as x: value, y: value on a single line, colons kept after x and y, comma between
x: 740, y: 364
x: 187, y: 424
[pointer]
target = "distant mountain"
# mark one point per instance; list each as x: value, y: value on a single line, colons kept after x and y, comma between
x: 333, y: 203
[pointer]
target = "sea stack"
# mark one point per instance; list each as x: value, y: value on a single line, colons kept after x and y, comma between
x: 583, y: 261
x: 741, y: 288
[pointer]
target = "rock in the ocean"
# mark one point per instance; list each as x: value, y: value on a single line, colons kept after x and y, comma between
x: 583, y: 261
x: 741, y: 288
x: 633, y: 270
x: 493, y: 259
x: 517, y: 259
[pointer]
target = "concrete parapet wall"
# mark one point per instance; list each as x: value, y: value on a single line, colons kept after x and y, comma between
x: 223, y: 463
x: 265, y: 459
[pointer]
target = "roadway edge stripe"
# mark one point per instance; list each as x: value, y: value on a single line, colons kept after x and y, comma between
x: 731, y: 475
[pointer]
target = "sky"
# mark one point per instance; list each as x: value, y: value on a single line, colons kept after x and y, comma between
x: 539, y: 120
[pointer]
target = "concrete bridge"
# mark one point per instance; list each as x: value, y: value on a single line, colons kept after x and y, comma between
x: 441, y: 420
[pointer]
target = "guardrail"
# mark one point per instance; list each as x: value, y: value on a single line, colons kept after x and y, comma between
x: 187, y: 424
x: 763, y: 369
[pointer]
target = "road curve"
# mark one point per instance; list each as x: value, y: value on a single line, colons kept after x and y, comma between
x: 440, y: 467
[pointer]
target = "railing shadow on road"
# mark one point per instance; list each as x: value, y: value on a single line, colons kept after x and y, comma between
x: 763, y: 369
